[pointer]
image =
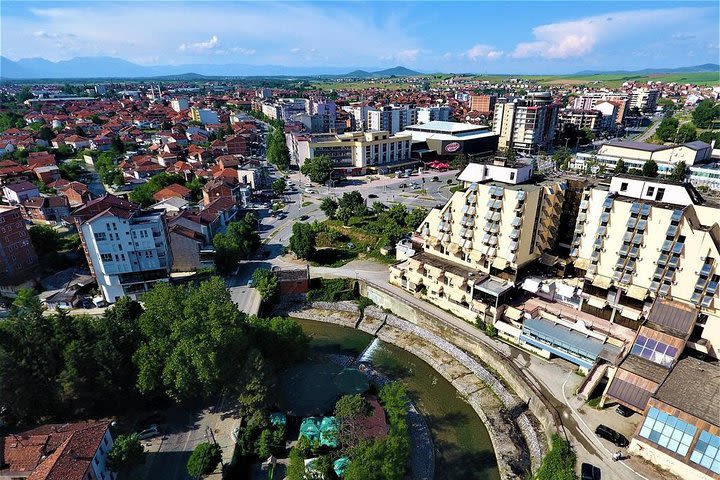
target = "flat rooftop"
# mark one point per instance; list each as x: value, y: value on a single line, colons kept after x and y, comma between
x: 438, y: 126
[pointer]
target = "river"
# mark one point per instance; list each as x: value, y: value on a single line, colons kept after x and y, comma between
x: 463, y: 447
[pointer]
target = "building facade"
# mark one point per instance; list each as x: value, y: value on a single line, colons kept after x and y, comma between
x: 483, y: 103
x: 355, y: 152
x: 18, y: 260
x: 641, y: 239
x: 391, y: 118
x: 432, y: 114
x: 127, y: 249
x: 473, y: 250
x: 527, y: 124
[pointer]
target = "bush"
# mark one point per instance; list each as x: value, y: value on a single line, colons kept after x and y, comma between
x: 559, y: 463
x: 332, y: 290
x: 364, y: 302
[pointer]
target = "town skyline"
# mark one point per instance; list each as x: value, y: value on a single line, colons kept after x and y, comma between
x: 515, y: 38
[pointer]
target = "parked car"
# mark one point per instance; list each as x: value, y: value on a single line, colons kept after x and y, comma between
x: 589, y: 472
x: 150, y: 432
x: 603, y: 431
x: 624, y: 411
x: 251, y: 283
x: 435, y: 179
x: 304, y: 217
x: 403, y: 185
x: 309, y: 190
x: 372, y: 195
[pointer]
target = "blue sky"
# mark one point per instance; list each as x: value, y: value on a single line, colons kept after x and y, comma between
x: 487, y: 37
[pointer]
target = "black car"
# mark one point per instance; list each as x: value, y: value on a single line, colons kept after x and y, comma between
x: 589, y: 472
x: 603, y: 431
x: 372, y: 195
x: 622, y: 410
x: 304, y: 217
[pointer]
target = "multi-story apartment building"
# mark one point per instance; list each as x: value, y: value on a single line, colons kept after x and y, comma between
x: 18, y: 260
x: 127, y: 248
x: 527, y: 124
x: 644, y: 99
x: 359, y: 115
x: 591, y: 101
x: 642, y: 239
x: 204, y: 116
x: 353, y: 153
x: 483, y: 103
x: 590, y: 119
x: 432, y: 114
x: 473, y: 250
x: 179, y: 104
x: 635, y: 154
x: 391, y: 118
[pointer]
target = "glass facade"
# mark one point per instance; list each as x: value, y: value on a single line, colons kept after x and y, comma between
x: 668, y: 431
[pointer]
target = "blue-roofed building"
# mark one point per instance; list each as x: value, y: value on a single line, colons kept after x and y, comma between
x: 571, y: 341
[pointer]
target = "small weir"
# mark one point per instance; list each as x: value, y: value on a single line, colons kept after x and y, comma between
x: 367, y: 355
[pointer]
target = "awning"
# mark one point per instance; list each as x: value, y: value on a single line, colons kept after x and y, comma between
x: 475, y: 255
x: 454, y: 248
x: 631, y: 313
x: 597, y: 303
x: 602, y: 282
x: 564, y: 290
x: 638, y: 293
x: 513, y: 313
x: 531, y: 285
x: 582, y: 263
x: 433, y: 241
x: 499, y: 263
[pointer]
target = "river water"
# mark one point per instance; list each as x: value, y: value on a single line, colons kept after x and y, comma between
x: 463, y: 447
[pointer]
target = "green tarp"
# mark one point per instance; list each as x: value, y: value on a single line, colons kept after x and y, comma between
x: 278, y: 419
x: 340, y: 465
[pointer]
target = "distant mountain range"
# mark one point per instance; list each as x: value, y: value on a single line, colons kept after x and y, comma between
x: 110, y: 67
x: 705, y: 67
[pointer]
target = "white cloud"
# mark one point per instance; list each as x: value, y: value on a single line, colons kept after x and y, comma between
x: 576, y: 38
x: 486, y: 52
x: 200, y: 46
x: 409, y: 55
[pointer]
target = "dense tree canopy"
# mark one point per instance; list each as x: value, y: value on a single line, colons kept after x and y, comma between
x: 705, y: 112
x: 126, y: 453
x: 143, y: 195
x: 238, y: 242
x: 650, y: 169
x: 266, y: 283
x: 277, y: 151
x: 678, y: 172
x: 318, y: 169
x: 667, y: 129
x: 302, y: 242
x: 686, y: 133
x: 204, y: 460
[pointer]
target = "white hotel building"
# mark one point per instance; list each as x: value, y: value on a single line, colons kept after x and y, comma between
x: 127, y: 249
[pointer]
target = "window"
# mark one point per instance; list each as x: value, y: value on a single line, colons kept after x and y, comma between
x: 623, y: 186
x: 668, y: 431
x: 650, y: 191
x: 707, y: 452
x: 660, y: 194
x: 106, y: 257
x: 512, y: 175
x: 100, y: 236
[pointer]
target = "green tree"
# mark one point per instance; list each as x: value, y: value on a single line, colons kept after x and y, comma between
x: 126, y: 453
x: 278, y: 186
x: 686, y: 133
x: 296, y: 465
x: 678, y: 172
x: 318, y: 169
x: 44, y: 238
x: 459, y: 161
x: 204, y: 460
x: 24, y: 94
x: 46, y: 133
x: 302, y: 242
x: 650, y: 169
x: 237, y: 243
x: 329, y: 206
x: 71, y: 170
x: 193, y: 340
x: 349, y: 411
x: 561, y: 158
x: 667, y: 129
x: 708, y: 137
x: 620, y: 167
x: 354, y: 202
x: 266, y: 283
x: 344, y: 214
x: 143, y: 195
x: 705, y: 112
x: 277, y: 151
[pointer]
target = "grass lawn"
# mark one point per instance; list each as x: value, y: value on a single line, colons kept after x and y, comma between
x: 306, y: 204
x: 342, y: 244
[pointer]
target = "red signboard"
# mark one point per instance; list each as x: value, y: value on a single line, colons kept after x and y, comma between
x: 452, y: 147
